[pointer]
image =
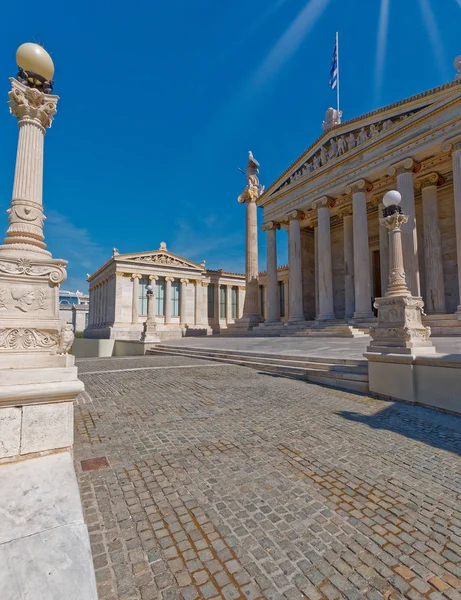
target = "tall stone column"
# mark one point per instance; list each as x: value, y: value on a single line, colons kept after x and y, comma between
x: 316, y: 259
x: 362, y: 281
x: 182, y: 301
x: 153, y: 279
x: 251, y: 304
x: 273, y: 311
x: 454, y: 145
x: 205, y: 319
x: 325, y: 272
x: 296, y: 312
x: 404, y: 171
x: 228, y: 304
x: 39, y: 377
x: 217, y: 304
x: 168, y: 281
x: 435, y: 287
x: 286, y: 297
x: 198, y: 295
x: 135, y: 298
x: 349, y: 292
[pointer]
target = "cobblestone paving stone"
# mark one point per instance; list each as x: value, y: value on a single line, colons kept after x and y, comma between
x: 228, y: 483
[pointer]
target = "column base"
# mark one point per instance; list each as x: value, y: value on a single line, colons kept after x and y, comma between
x: 363, y: 316
x: 325, y: 317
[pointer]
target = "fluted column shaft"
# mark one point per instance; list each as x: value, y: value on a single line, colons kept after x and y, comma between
x: 273, y: 311
x: 183, y: 301
x: 383, y: 252
x: 205, y: 303
x: 434, y: 300
x: 362, y: 282
x: 325, y: 273
x: 296, y: 312
x: 135, y: 298
x: 251, y: 305
x: 409, y: 233
x: 316, y: 267
x: 217, y: 304
x: 151, y: 299
x: 456, y: 161
x: 348, y: 267
x: 286, y: 305
x: 198, y: 294
x: 168, y: 281
x: 228, y: 304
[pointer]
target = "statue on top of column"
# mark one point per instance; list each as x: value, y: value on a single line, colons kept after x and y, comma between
x: 254, y: 189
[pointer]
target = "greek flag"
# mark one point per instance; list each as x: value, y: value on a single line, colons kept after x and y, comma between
x: 334, y: 68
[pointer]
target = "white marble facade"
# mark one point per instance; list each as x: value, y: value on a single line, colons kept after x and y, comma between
x: 330, y: 200
x: 189, y: 298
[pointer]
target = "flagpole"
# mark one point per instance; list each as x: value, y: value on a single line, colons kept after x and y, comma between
x: 337, y: 81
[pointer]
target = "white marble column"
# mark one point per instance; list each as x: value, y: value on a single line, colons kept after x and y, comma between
x: 217, y: 304
x: 349, y: 293
x: 316, y: 265
x: 286, y: 297
x: 198, y: 295
x: 272, y: 303
x: 296, y: 312
x: 205, y: 318
x: 183, y: 301
x: 383, y: 246
x: 362, y: 281
x: 241, y: 301
x: 228, y: 304
x: 404, y: 171
x: 434, y: 301
x: 167, y: 311
x: 455, y: 146
x: 325, y: 273
x: 135, y: 298
x: 152, y: 280
x: 251, y: 305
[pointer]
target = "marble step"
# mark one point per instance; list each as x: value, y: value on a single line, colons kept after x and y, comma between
x: 351, y: 378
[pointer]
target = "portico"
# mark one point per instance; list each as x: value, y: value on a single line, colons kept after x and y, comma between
x: 338, y: 249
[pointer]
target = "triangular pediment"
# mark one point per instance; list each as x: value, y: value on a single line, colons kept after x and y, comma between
x: 340, y: 142
x: 162, y: 258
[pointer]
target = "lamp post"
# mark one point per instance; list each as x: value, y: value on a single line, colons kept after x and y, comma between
x: 399, y: 329
x: 149, y: 334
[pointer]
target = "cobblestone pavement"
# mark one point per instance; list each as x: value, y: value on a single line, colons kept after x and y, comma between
x: 228, y: 483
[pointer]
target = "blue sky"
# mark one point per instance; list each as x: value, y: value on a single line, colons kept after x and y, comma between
x: 162, y: 99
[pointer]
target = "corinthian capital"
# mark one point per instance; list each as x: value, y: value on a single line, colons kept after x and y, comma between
x: 429, y: 180
x: 31, y: 104
x: 408, y: 165
x: 359, y: 186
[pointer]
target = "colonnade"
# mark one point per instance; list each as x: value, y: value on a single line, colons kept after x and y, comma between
x: 352, y: 208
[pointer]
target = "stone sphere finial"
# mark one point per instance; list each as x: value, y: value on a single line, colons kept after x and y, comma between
x: 34, y: 58
x: 392, y: 198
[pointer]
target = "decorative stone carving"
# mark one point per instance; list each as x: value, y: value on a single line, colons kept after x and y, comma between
x: 24, y: 266
x: 428, y: 180
x: 162, y: 259
x: 31, y: 103
x: 360, y: 185
x: 404, y: 166
x: 66, y: 339
x: 254, y: 189
x: 20, y: 338
x: 332, y: 118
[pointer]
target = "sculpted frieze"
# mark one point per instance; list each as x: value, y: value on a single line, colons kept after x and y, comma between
x: 30, y: 338
x: 162, y: 259
x: 340, y: 145
x: 25, y: 298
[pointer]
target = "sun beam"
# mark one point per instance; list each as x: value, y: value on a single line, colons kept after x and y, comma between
x: 381, y: 46
x: 289, y: 42
x: 434, y: 36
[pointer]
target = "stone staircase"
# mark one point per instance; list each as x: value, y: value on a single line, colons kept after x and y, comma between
x: 443, y: 325
x: 342, y: 373
x: 333, y: 328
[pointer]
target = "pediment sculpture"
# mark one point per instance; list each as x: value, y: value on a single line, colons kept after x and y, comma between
x: 163, y: 259
x: 340, y: 145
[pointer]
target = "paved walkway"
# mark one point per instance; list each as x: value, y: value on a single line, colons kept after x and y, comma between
x: 320, y: 347
x: 221, y: 482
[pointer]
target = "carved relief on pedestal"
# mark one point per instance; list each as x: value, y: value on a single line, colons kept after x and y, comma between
x: 17, y: 296
x: 23, y: 266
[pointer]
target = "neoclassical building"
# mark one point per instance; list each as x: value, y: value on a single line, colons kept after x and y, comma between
x: 189, y: 298
x: 330, y: 200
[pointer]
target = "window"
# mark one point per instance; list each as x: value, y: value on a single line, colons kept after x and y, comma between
x: 175, y: 298
x: 261, y: 299
x: 160, y: 297
x: 211, y: 301
x: 222, y: 302
x: 234, y: 301
x: 86, y: 320
x: 142, y: 303
x: 282, y: 298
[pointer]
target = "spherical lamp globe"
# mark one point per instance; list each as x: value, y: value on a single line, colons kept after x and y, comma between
x: 33, y: 58
x: 149, y: 288
x: 392, y: 198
